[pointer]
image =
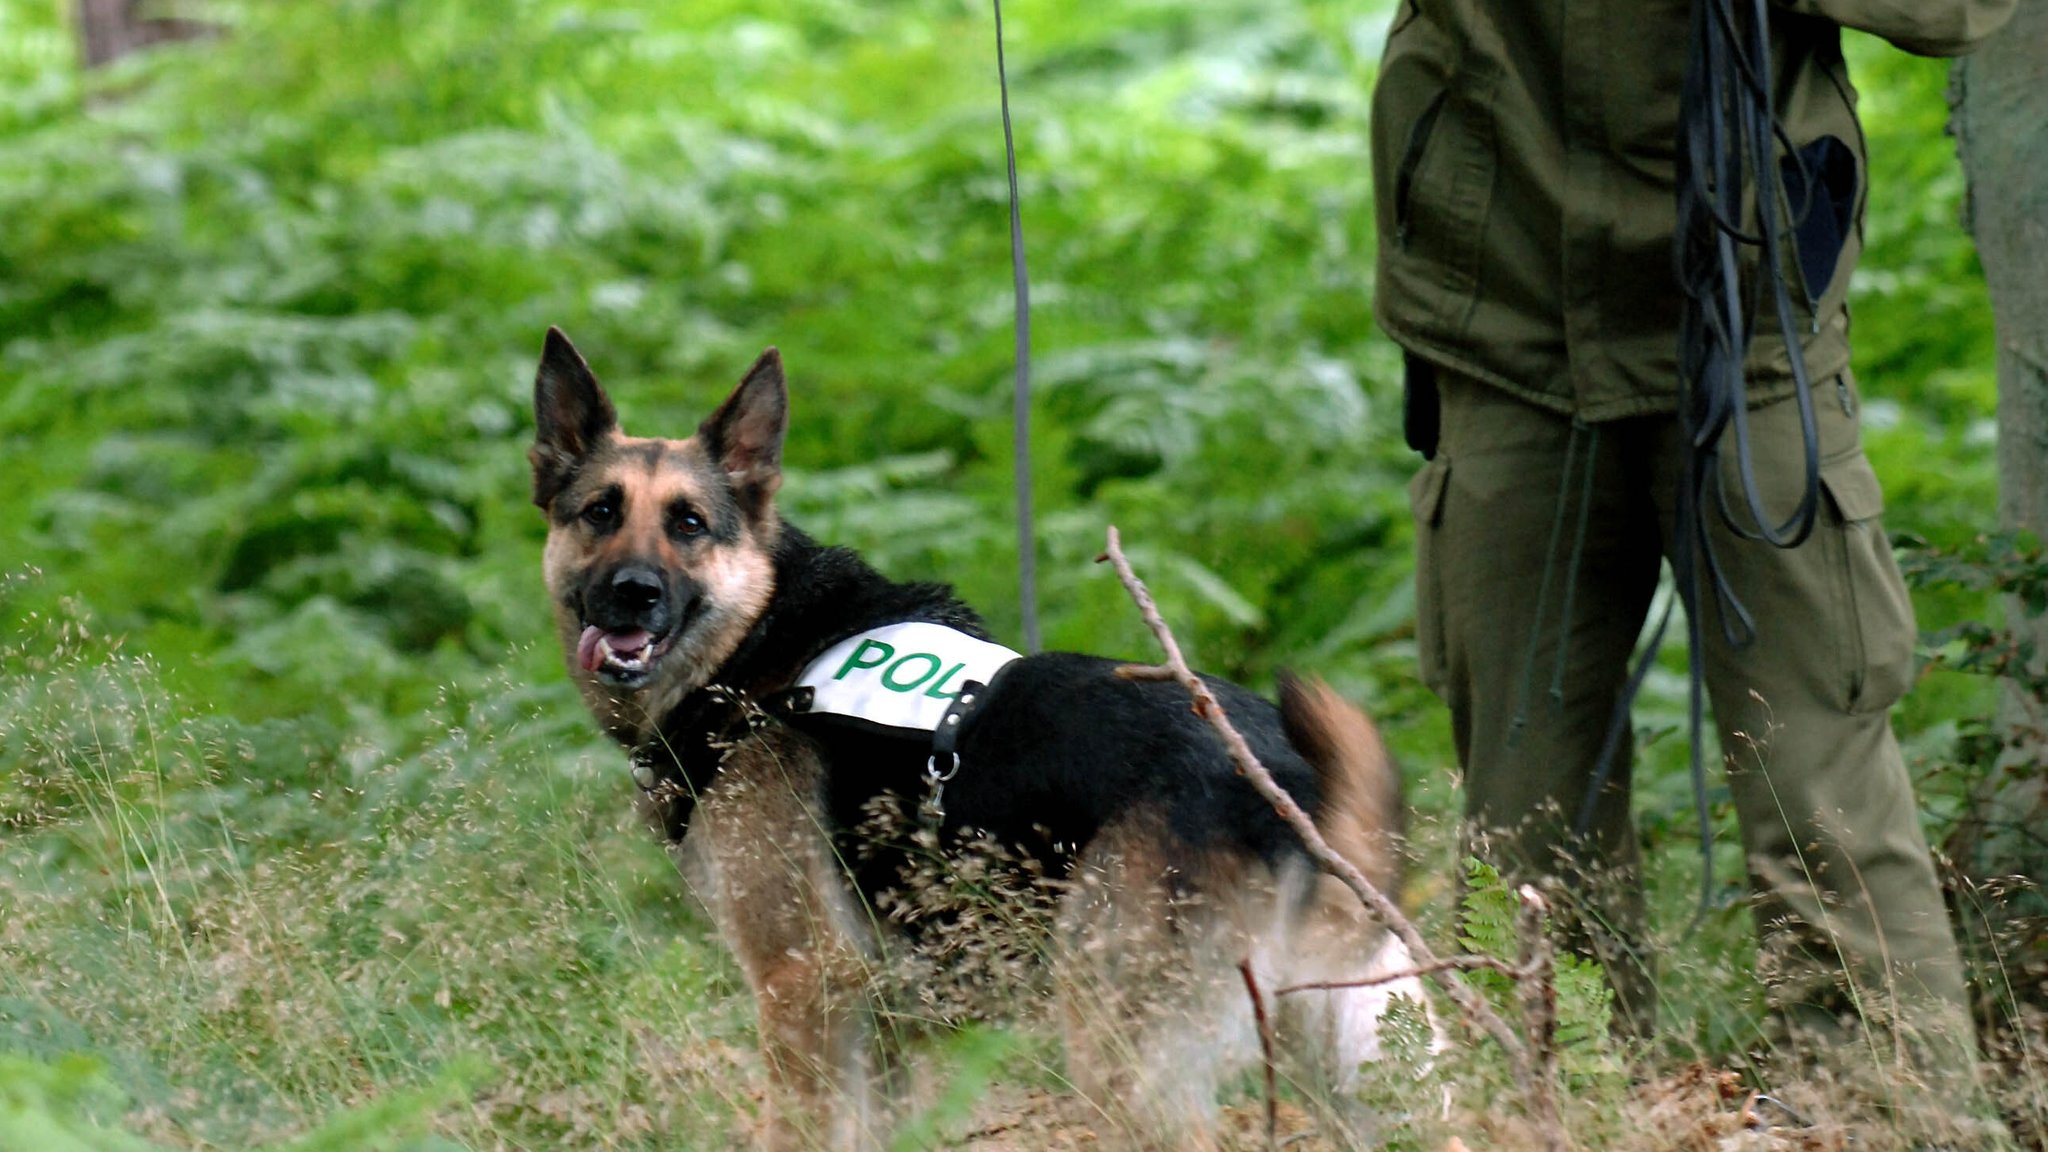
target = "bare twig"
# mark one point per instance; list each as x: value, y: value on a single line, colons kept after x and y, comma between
x: 1265, y: 1023
x: 1442, y: 964
x: 1537, y: 1084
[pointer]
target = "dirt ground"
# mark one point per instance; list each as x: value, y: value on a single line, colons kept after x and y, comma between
x: 1695, y: 1109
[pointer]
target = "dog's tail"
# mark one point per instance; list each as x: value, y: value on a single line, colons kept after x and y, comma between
x: 1360, y: 814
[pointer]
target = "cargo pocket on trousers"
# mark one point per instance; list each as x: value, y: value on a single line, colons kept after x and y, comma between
x: 1879, y: 631
x: 1426, y: 501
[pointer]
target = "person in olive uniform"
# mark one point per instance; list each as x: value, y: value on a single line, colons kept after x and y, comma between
x: 1523, y: 164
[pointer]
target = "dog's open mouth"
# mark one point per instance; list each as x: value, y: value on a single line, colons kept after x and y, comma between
x: 622, y: 658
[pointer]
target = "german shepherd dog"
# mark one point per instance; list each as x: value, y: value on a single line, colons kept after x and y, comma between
x: 685, y: 603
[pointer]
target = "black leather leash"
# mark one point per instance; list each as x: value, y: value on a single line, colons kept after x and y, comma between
x: 1735, y: 194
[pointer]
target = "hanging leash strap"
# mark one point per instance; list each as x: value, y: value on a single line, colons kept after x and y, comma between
x: 1027, y: 545
x: 1728, y: 173
x: 1732, y: 198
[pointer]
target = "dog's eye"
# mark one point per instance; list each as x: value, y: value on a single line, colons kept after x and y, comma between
x: 688, y: 523
x: 601, y: 513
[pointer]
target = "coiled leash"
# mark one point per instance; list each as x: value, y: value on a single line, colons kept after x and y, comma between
x: 1027, y: 547
x: 1730, y: 172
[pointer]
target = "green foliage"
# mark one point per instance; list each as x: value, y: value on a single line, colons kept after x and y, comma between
x: 1982, y: 788
x: 49, y: 1107
x: 2009, y: 564
x: 284, y: 353
x: 2012, y: 567
x: 1589, y: 1058
x: 973, y: 1055
x: 1405, y: 1085
x: 1489, y: 913
x: 388, y: 1122
x: 43, y: 1106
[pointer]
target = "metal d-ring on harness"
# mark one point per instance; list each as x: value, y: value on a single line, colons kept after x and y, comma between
x: 1728, y: 174
x: 946, y: 752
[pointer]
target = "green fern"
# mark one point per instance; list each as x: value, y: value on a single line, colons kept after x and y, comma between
x: 1589, y: 1057
x: 1487, y: 926
x: 1490, y: 911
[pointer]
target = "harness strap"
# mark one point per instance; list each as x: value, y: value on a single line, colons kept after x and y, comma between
x: 940, y: 766
x: 946, y: 738
x: 944, y: 763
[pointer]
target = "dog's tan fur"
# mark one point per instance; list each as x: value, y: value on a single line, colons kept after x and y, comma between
x: 1361, y: 815
x: 758, y: 857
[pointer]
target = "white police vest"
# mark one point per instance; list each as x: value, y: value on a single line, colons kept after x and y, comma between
x: 901, y: 676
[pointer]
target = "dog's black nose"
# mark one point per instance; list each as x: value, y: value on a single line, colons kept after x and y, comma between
x: 636, y: 589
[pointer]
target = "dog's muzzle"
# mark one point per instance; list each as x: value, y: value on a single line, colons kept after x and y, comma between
x: 629, y: 623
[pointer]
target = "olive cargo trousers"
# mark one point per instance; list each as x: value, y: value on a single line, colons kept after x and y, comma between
x: 1846, y: 903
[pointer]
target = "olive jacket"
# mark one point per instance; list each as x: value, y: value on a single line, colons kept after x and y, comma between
x: 1524, y: 158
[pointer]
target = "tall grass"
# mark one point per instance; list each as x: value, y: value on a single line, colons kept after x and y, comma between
x: 247, y: 957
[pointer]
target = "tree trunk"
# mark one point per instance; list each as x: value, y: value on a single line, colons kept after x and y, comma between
x: 110, y: 29
x: 1999, y: 103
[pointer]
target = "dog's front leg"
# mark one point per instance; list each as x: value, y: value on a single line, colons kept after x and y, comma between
x: 762, y: 857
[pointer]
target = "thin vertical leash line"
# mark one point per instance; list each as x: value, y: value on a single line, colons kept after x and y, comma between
x: 1027, y: 544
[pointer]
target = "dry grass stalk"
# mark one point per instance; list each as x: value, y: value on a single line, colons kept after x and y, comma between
x: 1534, y: 1071
x: 1536, y: 988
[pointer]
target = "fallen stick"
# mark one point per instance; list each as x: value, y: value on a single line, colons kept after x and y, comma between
x: 1459, y: 963
x: 1532, y: 1072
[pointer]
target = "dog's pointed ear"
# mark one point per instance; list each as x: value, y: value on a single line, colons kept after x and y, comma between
x: 571, y: 414
x: 745, y: 435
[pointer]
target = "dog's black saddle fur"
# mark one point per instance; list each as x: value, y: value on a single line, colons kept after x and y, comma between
x: 1059, y: 745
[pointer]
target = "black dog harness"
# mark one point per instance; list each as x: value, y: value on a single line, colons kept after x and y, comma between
x: 913, y: 681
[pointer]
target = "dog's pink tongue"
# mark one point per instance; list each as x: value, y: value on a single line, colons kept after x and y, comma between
x: 588, y: 651
x: 586, y: 648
